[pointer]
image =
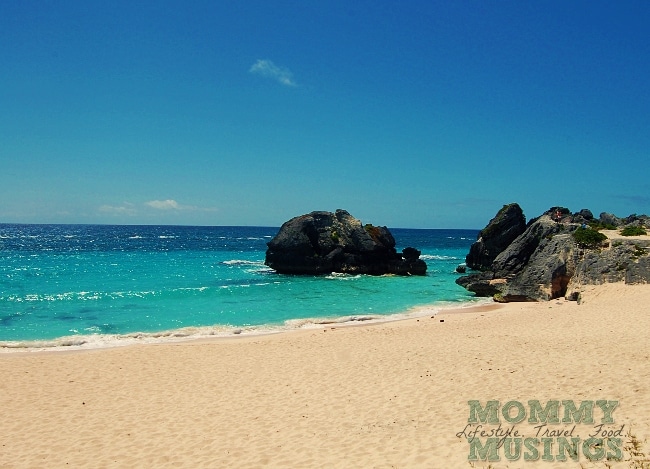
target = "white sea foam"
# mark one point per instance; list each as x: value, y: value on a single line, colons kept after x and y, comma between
x: 436, y: 257
x: 255, y: 267
x: 193, y: 288
x: 242, y: 262
x: 342, y: 276
x: 415, y: 312
x: 95, y: 340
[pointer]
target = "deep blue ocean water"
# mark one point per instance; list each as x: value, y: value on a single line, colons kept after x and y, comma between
x: 101, y: 285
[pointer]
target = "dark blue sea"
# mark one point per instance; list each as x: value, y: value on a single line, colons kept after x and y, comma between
x: 67, y: 286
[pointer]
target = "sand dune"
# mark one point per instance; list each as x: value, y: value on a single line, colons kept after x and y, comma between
x: 386, y: 395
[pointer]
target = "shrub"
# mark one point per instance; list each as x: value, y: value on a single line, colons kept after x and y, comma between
x: 588, y: 238
x: 633, y: 231
x: 597, y: 225
x: 639, y: 251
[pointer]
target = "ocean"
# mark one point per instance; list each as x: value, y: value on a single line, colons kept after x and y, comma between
x: 85, y: 286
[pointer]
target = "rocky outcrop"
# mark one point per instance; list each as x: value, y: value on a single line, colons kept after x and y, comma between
x: 608, y: 219
x: 586, y: 214
x: 638, y: 271
x: 502, y: 230
x: 547, y: 273
x: 625, y: 261
x: 637, y: 220
x: 546, y: 262
x: 537, y: 265
x: 483, y: 284
x: 324, y: 242
x: 583, y: 217
x: 517, y: 254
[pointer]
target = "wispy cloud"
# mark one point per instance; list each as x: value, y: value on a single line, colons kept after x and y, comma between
x: 125, y: 209
x: 171, y: 204
x: 635, y: 199
x: 168, y: 204
x: 267, y: 68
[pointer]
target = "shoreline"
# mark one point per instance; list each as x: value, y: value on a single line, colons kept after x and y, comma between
x: 219, y: 332
x: 384, y: 395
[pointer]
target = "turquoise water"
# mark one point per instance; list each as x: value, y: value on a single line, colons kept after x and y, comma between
x: 88, y: 284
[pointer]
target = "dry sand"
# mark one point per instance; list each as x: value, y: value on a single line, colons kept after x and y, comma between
x: 387, y: 395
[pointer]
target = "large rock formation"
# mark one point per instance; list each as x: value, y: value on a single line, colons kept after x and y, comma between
x: 502, y: 230
x: 517, y: 254
x: 324, y: 242
x: 625, y: 261
x: 546, y: 262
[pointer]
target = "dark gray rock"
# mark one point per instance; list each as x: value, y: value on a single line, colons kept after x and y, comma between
x: 626, y: 261
x: 538, y: 265
x: 324, y: 242
x: 586, y: 214
x: 502, y: 230
x: 411, y: 254
x: 639, y: 271
x: 545, y: 262
x: 547, y: 273
x: 609, y: 219
x: 482, y: 284
x: 516, y: 256
x: 636, y: 220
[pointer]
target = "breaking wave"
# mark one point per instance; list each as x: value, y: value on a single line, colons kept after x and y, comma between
x: 98, y: 340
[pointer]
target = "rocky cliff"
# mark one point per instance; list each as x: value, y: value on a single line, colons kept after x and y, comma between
x: 555, y: 255
x: 324, y: 242
x: 502, y: 230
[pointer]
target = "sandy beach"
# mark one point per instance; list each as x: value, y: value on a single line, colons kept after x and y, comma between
x: 391, y: 395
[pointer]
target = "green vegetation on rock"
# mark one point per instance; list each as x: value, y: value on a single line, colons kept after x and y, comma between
x: 633, y: 231
x: 597, y: 225
x: 588, y: 238
x: 373, y: 231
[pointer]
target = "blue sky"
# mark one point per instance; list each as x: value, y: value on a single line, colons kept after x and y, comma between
x: 422, y: 114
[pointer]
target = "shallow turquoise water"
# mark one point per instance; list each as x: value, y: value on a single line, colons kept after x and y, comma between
x: 81, y: 282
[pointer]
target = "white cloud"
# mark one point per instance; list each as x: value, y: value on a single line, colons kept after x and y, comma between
x: 168, y: 204
x: 267, y: 68
x: 171, y: 204
x: 148, y: 209
x: 124, y: 209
